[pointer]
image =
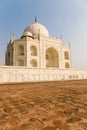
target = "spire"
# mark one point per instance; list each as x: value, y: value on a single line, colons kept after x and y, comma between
x: 69, y: 45
x: 70, y: 53
x: 61, y: 37
x: 12, y: 37
x: 35, y: 18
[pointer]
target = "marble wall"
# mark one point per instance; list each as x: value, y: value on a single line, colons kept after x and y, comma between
x: 24, y: 74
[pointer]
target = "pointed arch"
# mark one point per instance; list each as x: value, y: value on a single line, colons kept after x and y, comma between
x: 66, y: 55
x: 67, y: 65
x: 52, y: 58
x: 33, y: 63
x: 33, y: 50
x: 20, y: 62
x: 20, y: 50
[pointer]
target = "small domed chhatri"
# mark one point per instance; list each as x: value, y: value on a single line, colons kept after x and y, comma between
x: 27, y: 34
x: 36, y: 28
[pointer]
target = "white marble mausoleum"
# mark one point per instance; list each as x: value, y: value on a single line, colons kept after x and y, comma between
x: 36, y: 56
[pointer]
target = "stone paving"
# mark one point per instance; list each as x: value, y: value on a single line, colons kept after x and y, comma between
x: 58, y: 105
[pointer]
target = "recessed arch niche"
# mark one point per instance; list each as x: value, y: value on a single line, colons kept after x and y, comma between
x: 66, y: 55
x: 52, y: 58
x: 67, y: 65
x: 20, y: 62
x: 33, y: 50
x: 33, y: 63
x: 20, y: 50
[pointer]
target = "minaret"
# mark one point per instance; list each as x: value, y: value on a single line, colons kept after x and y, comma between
x: 70, y: 53
x: 12, y: 38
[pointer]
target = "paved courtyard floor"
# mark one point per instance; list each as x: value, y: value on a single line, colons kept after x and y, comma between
x: 58, y: 105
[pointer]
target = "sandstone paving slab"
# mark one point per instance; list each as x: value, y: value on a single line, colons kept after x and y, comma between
x: 59, y: 105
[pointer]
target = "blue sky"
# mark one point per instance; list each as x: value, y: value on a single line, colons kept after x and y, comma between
x: 61, y: 17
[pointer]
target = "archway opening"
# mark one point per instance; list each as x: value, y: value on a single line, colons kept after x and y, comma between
x: 67, y: 65
x: 20, y: 62
x: 33, y: 63
x: 66, y: 55
x: 33, y: 51
x: 21, y: 50
x: 52, y: 58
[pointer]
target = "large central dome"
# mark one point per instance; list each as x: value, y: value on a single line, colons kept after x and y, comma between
x: 37, y: 28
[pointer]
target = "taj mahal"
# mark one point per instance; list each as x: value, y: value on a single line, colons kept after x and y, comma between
x: 36, y: 49
x: 36, y: 56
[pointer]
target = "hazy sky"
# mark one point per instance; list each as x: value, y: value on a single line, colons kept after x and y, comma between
x: 66, y: 17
